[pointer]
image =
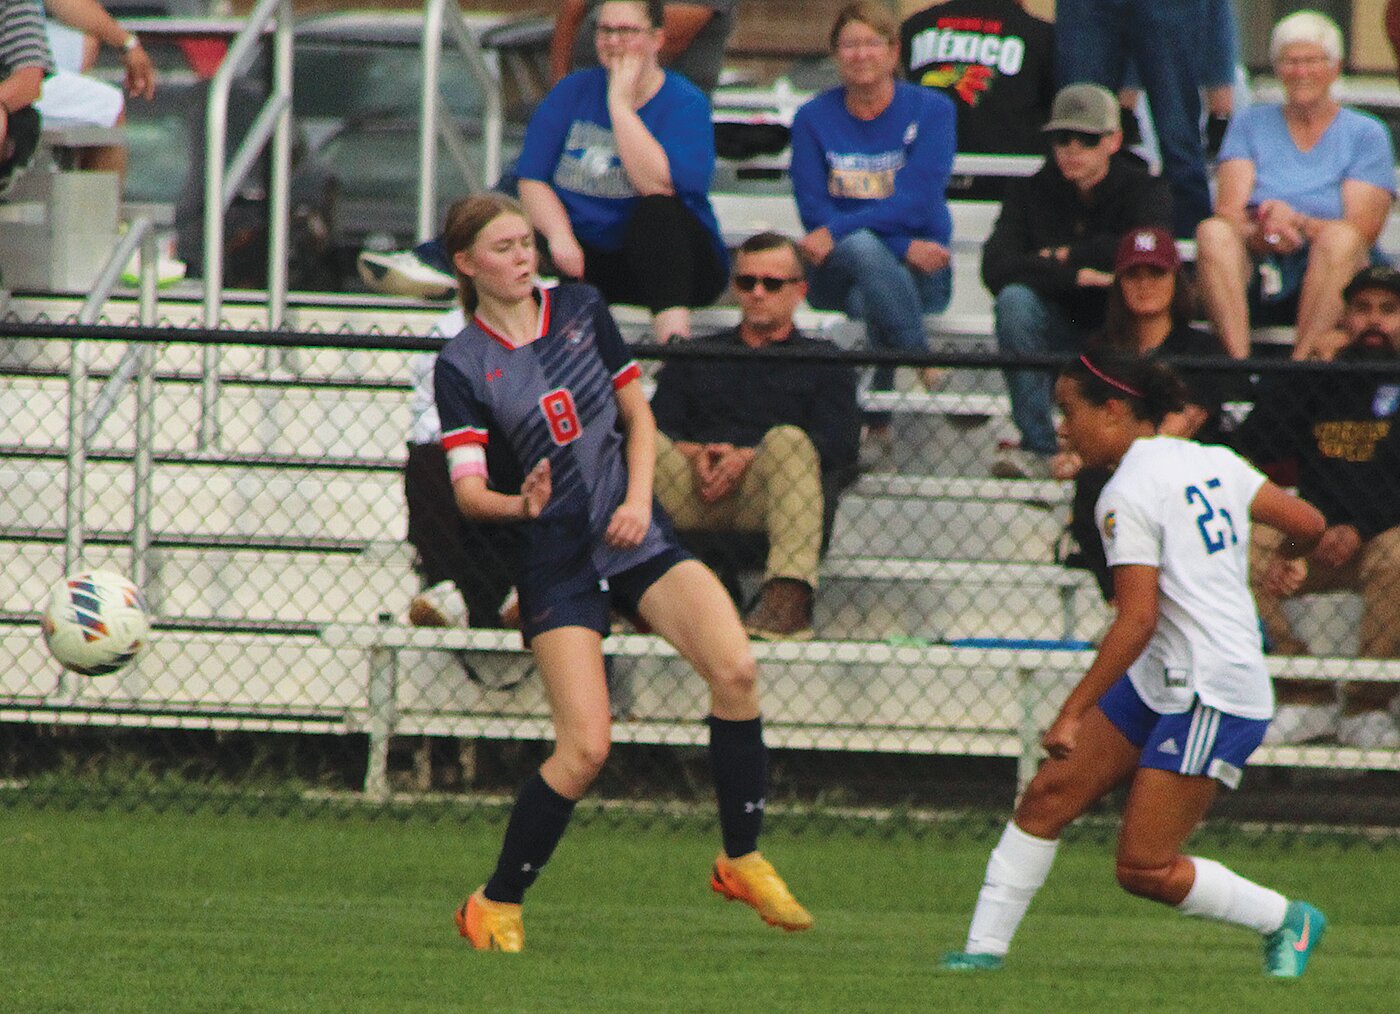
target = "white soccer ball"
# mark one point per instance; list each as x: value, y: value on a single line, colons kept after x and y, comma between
x: 96, y: 622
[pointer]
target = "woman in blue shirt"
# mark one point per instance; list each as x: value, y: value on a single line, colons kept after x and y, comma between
x: 1302, y: 193
x: 615, y: 173
x: 870, y: 167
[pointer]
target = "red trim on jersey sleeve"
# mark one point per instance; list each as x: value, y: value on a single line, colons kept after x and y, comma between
x: 626, y: 375
x: 464, y: 437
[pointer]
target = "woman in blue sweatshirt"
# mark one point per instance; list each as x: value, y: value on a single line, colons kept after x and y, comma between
x: 870, y: 167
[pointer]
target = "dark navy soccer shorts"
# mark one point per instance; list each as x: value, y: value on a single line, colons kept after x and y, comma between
x: 1199, y: 741
x: 572, y: 603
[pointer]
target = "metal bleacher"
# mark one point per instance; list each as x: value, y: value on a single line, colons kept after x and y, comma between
x: 304, y: 482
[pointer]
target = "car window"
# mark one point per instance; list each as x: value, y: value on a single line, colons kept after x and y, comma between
x: 344, y: 81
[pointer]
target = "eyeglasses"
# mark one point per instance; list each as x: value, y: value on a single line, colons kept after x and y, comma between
x: 746, y: 283
x: 1303, y: 62
x: 1061, y: 138
x: 623, y: 33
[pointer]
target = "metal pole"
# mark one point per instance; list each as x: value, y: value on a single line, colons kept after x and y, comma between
x: 1029, y: 759
x: 76, y: 476
x: 143, y: 461
x: 428, y: 120
x: 218, y: 189
x: 280, y: 199
x: 215, y: 146
x: 383, y: 676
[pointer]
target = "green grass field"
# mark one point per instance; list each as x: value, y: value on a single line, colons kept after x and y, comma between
x: 172, y: 912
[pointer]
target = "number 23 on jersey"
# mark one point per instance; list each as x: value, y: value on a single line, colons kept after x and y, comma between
x: 1214, y: 522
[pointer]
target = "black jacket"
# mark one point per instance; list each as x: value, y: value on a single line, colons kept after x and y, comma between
x: 1045, y: 211
x: 737, y: 402
x: 995, y: 60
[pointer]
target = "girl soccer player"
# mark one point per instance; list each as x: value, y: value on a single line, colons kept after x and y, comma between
x: 541, y: 378
x: 1178, y: 696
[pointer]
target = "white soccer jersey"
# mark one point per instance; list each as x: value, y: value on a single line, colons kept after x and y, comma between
x: 1183, y: 508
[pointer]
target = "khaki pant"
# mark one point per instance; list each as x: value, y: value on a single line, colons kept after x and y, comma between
x: 780, y: 495
x: 1374, y: 572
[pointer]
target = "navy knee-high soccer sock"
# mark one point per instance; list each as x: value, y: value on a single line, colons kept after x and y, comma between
x: 537, y: 822
x: 739, y: 761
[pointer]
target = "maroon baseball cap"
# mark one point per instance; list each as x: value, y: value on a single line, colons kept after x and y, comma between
x: 1151, y: 246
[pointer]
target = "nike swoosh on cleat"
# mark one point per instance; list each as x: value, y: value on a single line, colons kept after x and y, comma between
x: 1301, y: 944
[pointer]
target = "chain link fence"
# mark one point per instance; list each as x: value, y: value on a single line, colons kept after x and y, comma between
x: 277, y: 562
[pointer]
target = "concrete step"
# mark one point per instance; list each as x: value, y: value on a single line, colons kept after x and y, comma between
x: 207, y: 680
x: 253, y: 420
x: 230, y: 584
x: 943, y: 529
x: 261, y: 502
x: 863, y: 598
x: 881, y: 515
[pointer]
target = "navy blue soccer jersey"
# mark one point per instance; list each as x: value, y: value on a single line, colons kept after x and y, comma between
x: 551, y: 397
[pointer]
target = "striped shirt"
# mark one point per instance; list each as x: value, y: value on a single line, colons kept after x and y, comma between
x: 22, y: 39
x: 555, y: 397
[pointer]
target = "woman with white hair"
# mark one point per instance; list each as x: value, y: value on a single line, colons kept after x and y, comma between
x: 1303, y: 190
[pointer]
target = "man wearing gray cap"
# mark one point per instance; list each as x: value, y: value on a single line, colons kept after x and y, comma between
x: 1049, y: 259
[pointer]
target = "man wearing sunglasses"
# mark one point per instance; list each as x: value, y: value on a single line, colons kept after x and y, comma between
x: 753, y: 445
x: 1049, y: 259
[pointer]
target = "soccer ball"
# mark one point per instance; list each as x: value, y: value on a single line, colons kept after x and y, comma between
x: 96, y: 622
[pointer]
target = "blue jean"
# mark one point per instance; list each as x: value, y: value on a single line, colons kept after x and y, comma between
x: 1093, y: 40
x: 1028, y: 325
x: 1217, y: 49
x: 863, y: 278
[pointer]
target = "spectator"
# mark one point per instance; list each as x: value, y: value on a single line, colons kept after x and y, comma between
x: 995, y: 61
x: 695, y: 36
x: 1150, y: 307
x: 760, y: 448
x: 1050, y: 254
x: 467, y: 569
x: 870, y: 165
x: 1303, y: 190
x: 1217, y: 52
x: 615, y: 174
x: 70, y: 94
x: 1094, y: 39
x: 24, y: 63
x: 1341, y: 434
x: 1392, y: 26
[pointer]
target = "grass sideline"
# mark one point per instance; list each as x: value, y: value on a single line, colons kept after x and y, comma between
x: 173, y: 912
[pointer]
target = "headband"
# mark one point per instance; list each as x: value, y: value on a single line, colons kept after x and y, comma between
x: 1110, y: 381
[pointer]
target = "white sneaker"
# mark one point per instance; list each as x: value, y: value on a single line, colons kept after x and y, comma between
x: 403, y: 274
x: 1017, y: 463
x: 439, y: 606
x: 1302, y: 723
x: 169, y: 270
x: 1369, y: 730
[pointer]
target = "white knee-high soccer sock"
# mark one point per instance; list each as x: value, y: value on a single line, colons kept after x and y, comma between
x: 1223, y: 895
x: 1016, y: 870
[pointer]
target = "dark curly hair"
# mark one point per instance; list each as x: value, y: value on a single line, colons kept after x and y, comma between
x: 1149, y: 387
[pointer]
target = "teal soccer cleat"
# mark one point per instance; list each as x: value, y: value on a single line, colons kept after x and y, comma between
x: 962, y: 961
x: 1287, y: 949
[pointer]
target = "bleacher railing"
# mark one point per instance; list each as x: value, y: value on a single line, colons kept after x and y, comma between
x: 84, y: 422
x: 277, y: 566
x: 436, y: 122
x: 272, y: 128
